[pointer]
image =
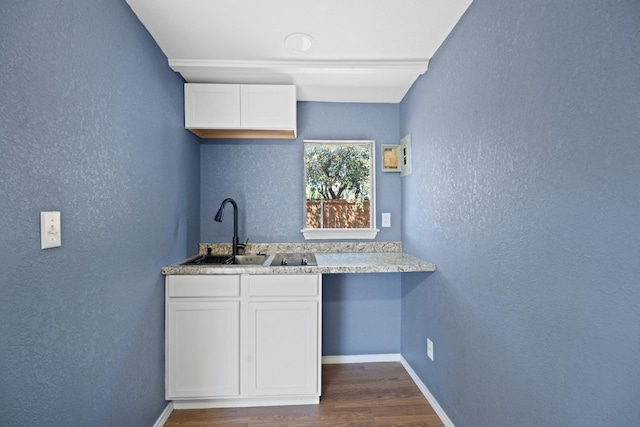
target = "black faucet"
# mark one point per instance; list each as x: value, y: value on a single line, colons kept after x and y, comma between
x: 218, y: 218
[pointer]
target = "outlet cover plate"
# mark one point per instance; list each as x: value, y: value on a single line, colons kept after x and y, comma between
x: 386, y: 219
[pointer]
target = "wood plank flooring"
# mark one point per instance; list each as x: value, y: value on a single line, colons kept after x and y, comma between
x: 353, y: 395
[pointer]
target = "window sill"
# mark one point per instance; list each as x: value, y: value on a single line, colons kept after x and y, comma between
x: 339, y: 233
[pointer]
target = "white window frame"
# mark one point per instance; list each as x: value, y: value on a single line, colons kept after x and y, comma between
x: 342, y: 233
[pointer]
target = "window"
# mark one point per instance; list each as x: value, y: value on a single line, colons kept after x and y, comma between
x: 339, y: 190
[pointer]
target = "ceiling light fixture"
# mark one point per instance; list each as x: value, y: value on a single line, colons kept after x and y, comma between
x: 299, y: 42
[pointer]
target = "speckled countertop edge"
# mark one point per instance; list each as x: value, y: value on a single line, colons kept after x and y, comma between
x: 340, y: 257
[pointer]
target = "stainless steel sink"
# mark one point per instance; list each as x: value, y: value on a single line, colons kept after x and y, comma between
x: 249, y: 259
x: 208, y: 260
x: 294, y: 259
x: 227, y: 260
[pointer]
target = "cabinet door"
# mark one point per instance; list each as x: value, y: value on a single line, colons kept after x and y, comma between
x: 211, y: 106
x: 268, y: 107
x: 203, y: 349
x: 283, y: 348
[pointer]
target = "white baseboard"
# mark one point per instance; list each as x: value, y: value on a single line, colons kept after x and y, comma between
x: 245, y: 402
x: 427, y: 394
x: 361, y: 358
x: 164, y: 416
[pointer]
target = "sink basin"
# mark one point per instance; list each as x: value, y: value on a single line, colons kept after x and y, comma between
x: 227, y: 260
x: 249, y: 259
x: 208, y: 260
x: 294, y: 259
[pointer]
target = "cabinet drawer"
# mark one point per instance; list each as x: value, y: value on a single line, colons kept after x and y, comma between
x: 284, y: 285
x: 204, y: 286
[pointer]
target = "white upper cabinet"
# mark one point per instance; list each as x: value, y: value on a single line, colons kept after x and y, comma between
x: 267, y: 107
x: 211, y: 106
x: 240, y: 111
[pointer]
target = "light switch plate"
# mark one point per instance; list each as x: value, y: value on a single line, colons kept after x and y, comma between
x: 50, y: 236
x: 405, y: 155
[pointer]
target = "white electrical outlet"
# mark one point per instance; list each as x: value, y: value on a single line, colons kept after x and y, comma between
x: 429, y: 349
x: 386, y: 220
x: 50, y: 236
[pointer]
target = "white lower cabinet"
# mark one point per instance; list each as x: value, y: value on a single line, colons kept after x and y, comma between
x: 203, y: 349
x: 284, y: 335
x: 243, y: 340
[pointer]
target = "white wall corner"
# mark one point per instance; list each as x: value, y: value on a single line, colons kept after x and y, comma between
x: 427, y: 394
x: 164, y: 416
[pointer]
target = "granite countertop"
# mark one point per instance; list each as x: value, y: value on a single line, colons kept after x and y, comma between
x: 342, y: 257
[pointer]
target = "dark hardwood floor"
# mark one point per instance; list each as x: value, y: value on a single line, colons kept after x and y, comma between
x: 362, y: 394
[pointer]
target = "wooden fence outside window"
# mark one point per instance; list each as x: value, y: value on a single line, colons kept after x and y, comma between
x: 338, y: 214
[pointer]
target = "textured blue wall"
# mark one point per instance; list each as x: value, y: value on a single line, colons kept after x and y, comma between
x: 361, y: 313
x: 90, y: 125
x: 266, y: 177
x: 526, y: 194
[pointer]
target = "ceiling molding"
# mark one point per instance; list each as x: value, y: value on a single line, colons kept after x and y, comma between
x: 319, y: 64
x: 328, y: 81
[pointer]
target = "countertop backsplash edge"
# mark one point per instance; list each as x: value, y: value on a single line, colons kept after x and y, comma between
x: 303, y: 247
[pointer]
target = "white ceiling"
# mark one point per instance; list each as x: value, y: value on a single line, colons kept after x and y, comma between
x: 363, y: 51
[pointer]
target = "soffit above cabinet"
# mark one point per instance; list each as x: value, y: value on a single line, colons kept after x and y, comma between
x: 358, y: 50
